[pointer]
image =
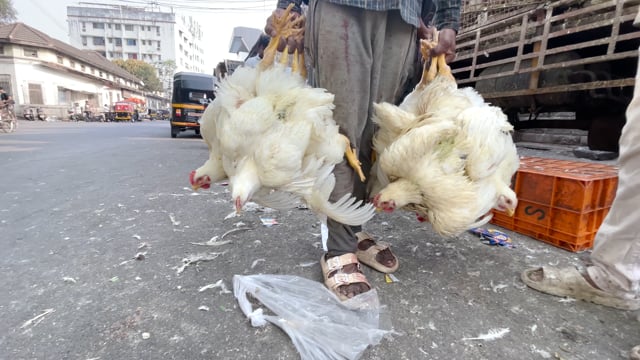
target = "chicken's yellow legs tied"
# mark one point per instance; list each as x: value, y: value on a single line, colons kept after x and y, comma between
x: 284, y: 27
x: 352, y: 157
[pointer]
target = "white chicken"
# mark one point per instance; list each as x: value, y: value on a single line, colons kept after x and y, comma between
x: 444, y: 153
x: 274, y: 138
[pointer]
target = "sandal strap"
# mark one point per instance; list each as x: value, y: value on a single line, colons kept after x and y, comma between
x: 339, y: 279
x: 338, y: 262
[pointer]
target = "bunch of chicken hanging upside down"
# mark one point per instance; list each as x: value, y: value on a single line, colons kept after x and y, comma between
x: 274, y: 138
x: 443, y: 153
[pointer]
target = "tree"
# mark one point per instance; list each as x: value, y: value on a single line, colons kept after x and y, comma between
x: 143, y: 71
x: 165, y: 73
x: 8, y: 13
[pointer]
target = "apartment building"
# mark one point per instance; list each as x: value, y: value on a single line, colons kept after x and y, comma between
x: 126, y: 32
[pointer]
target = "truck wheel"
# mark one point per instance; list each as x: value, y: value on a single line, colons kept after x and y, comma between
x: 604, y: 133
x: 197, y: 131
x: 174, y: 132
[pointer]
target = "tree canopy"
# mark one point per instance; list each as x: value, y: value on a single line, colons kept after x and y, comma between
x: 142, y: 70
x: 8, y: 13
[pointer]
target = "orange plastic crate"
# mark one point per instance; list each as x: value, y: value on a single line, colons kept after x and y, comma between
x: 561, y: 202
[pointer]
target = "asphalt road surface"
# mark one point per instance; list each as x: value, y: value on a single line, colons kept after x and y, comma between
x: 98, y: 224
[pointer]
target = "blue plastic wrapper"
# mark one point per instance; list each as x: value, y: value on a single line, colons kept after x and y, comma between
x: 493, y: 237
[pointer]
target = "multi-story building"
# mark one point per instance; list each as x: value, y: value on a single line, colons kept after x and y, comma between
x: 125, y: 32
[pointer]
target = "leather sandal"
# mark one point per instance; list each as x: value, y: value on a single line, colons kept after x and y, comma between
x: 368, y: 257
x: 334, y: 265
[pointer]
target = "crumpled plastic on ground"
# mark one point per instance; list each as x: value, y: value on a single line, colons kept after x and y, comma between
x: 319, y: 324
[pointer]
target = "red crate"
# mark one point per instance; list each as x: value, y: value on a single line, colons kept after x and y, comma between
x: 561, y: 202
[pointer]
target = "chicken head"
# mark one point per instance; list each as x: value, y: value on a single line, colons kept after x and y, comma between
x: 199, y: 181
x: 384, y: 205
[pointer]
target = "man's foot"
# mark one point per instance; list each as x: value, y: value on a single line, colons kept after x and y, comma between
x: 570, y: 282
x: 343, y: 277
x: 376, y: 255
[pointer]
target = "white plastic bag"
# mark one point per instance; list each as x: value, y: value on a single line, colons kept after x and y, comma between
x: 321, y: 326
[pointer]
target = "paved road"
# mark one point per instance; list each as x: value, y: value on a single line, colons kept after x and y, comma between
x: 78, y: 202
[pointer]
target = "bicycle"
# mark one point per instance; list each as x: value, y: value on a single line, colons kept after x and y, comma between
x: 8, y: 121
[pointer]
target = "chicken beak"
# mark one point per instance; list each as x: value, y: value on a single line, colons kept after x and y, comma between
x: 511, y: 212
x: 192, y: 179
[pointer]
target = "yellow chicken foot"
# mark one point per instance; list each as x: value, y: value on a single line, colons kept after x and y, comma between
x: 297, y: 64
x: 284, y: 57
x: 443, y: 68
x: 352, y: 158
x: 428, y: 73
x: 279, y: 24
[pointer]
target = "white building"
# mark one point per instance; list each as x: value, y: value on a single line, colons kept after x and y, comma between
x: 125, y: 32
x: 37, y: 70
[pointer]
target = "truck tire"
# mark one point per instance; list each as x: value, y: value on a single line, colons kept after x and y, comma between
x: 174, y: 132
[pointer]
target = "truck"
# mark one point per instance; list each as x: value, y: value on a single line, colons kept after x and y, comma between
x: 559, y: 64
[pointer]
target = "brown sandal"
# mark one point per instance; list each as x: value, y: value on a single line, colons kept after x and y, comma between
x: 334, y: 265
x: 368, y: 257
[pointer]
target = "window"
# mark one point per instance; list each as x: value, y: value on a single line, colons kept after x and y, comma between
x: 131, y: 42
x: 144, y: 42
x: 60, y: 60
x: 118, y: 42
x: 83, y: 68
x: 98, y: 40
x: 110, y: 54
x: 93, y: 71
x: 64, y: 96
x: 108, y: 26
x: 128, y: 27
x: 148, y: 28
x: 110, y: 40
x: 72, y: 64
x: 98, y: 25
x: 84, y: 41
x: 158, y: 30
x: 158, y: 45
x: 118, y: 26
x: 100, y: 73
x: 35, y: 94
x: 132, y: 56
x: 1, y: 50
x: 84, y: 27
x: 30, y: 52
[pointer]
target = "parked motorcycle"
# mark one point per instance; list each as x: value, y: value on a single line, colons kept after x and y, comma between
x: 73, y: 116
x: 41, y: 115
x: 28, y: 114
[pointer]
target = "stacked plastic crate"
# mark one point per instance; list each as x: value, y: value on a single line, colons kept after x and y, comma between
x: 561, y: 202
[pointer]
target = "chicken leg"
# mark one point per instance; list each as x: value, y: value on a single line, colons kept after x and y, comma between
x: 428, y: 72
x: 282, y: 26
x: 352, y: 157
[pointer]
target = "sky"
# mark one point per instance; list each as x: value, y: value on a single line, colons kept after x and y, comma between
x: 217, y: 18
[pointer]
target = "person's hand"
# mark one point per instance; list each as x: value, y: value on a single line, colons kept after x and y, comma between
x: 295, y: 41
x: 425, y: 32
x: 446, y: 44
